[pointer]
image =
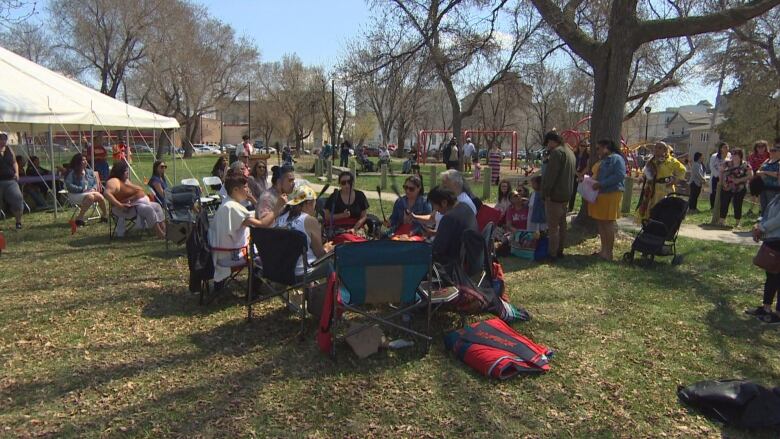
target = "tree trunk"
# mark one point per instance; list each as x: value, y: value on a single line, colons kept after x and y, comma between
x: 610, y: 73
x: 191, y: 129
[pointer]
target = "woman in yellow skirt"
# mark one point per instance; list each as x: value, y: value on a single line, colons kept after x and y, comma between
x: 609, y: 173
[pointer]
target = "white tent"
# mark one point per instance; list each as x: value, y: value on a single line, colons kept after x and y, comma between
x: 36, y: 99
x: 33, y: 94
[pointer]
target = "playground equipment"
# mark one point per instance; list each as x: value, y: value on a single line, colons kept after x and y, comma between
x: 579, y: 133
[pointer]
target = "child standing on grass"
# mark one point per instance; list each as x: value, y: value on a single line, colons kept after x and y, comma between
x: 537, y: 221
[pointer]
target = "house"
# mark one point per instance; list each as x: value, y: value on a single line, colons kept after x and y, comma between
x: 692, y: 131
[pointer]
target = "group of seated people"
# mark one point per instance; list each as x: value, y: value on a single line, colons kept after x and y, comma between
x: 441, y: 217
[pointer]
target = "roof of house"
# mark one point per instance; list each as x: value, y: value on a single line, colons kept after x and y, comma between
x: 693, y: 118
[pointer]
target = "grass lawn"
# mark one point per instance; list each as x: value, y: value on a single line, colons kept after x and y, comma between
x: 102, y: 339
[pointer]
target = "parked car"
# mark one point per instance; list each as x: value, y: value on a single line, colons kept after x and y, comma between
x: 265, y: 150
x: 200, y: 148
x: 135, y: 149
x: 228, y: 147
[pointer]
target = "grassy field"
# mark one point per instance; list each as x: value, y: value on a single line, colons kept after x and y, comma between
x: 102, y: 339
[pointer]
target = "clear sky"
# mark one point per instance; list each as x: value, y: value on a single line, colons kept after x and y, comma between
x: 318, y: 30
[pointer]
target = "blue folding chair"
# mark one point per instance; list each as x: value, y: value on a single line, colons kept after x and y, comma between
x: 384, y: 272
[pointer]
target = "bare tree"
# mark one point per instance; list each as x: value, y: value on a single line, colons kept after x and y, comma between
x: 31, y: 41
x: 193, y: 65
x: 468, y: 43
x: 105, y: 38
x: 607, y: 36
x: 13, y: 12
x: 331, y: 86
x: 294, y: 89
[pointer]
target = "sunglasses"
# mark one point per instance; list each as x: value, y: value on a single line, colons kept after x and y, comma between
x: 410, y: 188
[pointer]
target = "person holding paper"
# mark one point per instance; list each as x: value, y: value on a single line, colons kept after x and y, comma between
x: 609, y: 173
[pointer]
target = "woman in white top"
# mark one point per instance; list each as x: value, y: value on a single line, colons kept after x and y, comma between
x: 229, y: 229
x: 716, y: 164
x: 300, y: 215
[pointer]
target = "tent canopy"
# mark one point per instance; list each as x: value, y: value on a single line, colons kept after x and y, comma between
x: 32, y: 95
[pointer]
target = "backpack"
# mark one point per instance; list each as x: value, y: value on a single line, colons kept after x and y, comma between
x: 734, y: 402
x: 199, y: 259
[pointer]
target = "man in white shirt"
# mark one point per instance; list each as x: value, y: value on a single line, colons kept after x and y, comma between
x: 229, y: 229
x: 468, y: 155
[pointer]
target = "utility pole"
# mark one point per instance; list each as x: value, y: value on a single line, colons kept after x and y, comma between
x: 333, y: 139
x: 647, y: 121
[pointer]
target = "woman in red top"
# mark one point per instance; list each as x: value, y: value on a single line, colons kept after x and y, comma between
x: 759, y: 155
x: 757, y: 158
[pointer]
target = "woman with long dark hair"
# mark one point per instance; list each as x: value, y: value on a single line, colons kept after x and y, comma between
x: 258, y: 179
x: 124, y: 196
x: 84, y: 189
x: 735, y: 174
x: 609, y: 173
x: 347, y: 206
x: 413, y: 202
x: 158, y: 182
x: 504, y: 195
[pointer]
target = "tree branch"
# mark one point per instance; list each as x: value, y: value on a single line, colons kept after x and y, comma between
x: 583, y: 45
x: 687, y: 26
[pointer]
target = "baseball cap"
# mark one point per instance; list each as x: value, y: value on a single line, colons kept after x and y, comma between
x: 301, y: 194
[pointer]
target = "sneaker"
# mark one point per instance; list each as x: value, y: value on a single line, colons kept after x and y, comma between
x: 757, y: 311
x: 18, y: 226
x: 80, y: 222
x: 770, y: 319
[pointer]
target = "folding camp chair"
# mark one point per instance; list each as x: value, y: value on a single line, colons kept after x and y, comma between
x: 274, y: 254
x: 119, y: 223
x: 383, y: 272
x: 180, y: 212
x: 212, y: 182
x: 206, y: 201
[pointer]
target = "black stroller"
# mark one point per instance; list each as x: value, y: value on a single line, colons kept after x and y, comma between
x: 658, y: 236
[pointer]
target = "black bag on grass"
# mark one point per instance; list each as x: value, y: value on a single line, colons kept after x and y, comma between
x: 734, y: 402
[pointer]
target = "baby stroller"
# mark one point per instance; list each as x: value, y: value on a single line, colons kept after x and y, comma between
x: 658, y: 236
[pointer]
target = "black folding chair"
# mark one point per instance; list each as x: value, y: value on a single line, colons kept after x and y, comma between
x: 274, y: 255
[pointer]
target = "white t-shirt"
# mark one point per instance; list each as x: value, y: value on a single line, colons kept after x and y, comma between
x: 298, y: 224
x: 715, y: 164
x: 454, y: 155
x: 468, y: 149
x: 227, y: 230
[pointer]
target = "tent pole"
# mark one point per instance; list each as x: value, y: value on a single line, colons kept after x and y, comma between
x: 54, y: 186
x: 92, y: 142
x: 173, y: 152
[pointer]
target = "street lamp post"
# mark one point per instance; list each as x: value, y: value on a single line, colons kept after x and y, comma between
x: 647, y: 121
x: 249, y: 110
